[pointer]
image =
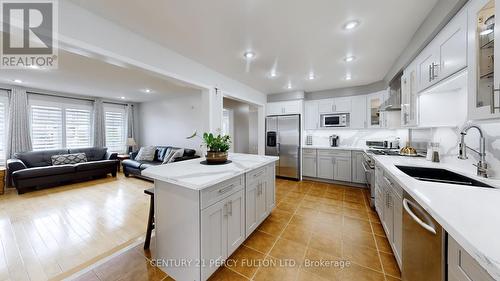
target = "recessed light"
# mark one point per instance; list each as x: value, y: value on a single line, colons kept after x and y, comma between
x: 122, y: 98
x: 349, y: 58
x: 348, y: 77
x: 311, y: 76
x: 18, y: 81
x: 351, y: 25
x: 147, y: 91
x: 249, y: 55
x: 273, y: 74
x: 486, y: 31
x: 289, y: 86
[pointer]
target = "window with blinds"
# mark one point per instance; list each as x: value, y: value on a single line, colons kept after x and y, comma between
x: 78, y: 128
x: 46, y: 127
x: 115, y: 122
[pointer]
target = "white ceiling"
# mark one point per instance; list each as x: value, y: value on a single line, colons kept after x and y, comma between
x: 92, y: 76
x: 296, y: 37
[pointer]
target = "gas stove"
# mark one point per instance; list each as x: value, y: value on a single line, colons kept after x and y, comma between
x: 390, y: 152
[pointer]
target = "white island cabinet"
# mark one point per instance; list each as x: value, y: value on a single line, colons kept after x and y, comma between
x: 203, y: 213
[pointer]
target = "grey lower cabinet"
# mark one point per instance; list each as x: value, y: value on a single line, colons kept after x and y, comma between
x: 325, y: 167
x: 342, y: 170
x: 358, y: 172
x: 390, y: 210
x: 309, y: 163
x: 462, y: 266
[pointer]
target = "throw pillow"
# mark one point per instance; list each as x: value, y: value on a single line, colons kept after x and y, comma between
x: 63, y: 159
x: 168, y: 155
x: 146, y: 153
x: 177, y: 153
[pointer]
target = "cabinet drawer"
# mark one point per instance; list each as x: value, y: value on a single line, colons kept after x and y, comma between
x: 463, y: 267
x: 220, y: 191
x: 334, y: 152
x: 308, y: 151
x: 255, y: 175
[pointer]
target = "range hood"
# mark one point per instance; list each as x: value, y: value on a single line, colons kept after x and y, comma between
x: 393, y: 103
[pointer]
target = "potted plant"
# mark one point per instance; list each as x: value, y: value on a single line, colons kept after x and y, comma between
x: 217, y: 147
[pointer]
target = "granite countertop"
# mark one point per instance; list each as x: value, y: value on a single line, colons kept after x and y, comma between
x: 342, y: 147
x: 471, y: 215
x: 191, y: 174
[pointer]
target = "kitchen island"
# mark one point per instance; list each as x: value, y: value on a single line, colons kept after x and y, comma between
x: 204, y: 212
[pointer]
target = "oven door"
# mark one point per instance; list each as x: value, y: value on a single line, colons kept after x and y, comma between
x: 370, y: 181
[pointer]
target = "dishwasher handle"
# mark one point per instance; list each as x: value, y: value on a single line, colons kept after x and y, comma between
x: 427, y: 227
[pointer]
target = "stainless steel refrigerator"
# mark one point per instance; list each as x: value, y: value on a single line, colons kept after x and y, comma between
x: 283, y: 140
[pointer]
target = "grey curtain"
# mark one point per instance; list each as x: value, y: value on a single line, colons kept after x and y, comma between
x: 18, y: 136
x: 130, y: 123
x: 99, y: 125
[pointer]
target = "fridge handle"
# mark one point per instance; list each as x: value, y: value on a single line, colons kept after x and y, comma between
x: 278, y: 148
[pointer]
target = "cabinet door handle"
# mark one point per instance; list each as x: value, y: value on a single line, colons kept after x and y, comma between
x: 434, y: 72
x: 430, y: 72
x: 226, y: 189
x: 230, y: 207
x: 224, y: 211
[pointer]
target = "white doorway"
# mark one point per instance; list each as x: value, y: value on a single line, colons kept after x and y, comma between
x: 240, y: 122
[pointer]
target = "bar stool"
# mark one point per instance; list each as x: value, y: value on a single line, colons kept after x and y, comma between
x: 151, y: 218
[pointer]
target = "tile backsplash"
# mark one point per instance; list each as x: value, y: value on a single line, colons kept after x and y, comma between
x: 355, y: 138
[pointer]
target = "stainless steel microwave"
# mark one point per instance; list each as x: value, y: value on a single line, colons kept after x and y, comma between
x: 335, y: 120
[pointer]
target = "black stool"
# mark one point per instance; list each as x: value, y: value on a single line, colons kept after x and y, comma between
x: 151, y: 218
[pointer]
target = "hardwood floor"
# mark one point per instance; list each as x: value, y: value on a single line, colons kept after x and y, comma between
x: 312, y: 222
x: 52, y: 233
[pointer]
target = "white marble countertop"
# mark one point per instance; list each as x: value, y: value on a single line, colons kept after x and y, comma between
x: 191, y: 174
x: 342, y: 147
x: 471, y: 215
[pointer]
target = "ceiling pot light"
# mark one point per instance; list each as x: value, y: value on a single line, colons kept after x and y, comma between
x: 348, y: 77
x: 289, y: 86
x: 273, y: 74
x: 18, y: 81
x: 147, y: 91
x: 249, y: 55
x: 349, y: 58
x: 351, y: 25
x: 122, y: 98
x: 311, y: 76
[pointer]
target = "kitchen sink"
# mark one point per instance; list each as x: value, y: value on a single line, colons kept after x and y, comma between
x: 440, y: 176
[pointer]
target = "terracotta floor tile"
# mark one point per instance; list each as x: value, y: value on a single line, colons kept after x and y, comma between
x: 330, y: 201
x: 382, y: 244
x: 330, y: 244
x: 302, y: 222
x: 327, y: 208
x: 312, y: 263
x: 245, y: 261
x: 307, y: 212
x: 355, y: 225
x: 328, y: 229
x: 297, y: 234
x: 309, y: 276
x: 390, y: 278
x: 89, y: 276
x: 355, y: 213
x: 260, y: 241
x: 277, y: 214
x: 307, y: 203
x: 373, y: 216
x: 225, y: 274
x: 271, y: 226
x: 367, y: 257
x: 294, y: 194
x: 291, y: 200
x: 378, y: 229
x: 359, y: 199
x: 334, y: 196
x: 360, y: 238
x: 316, y: 192
x: 359, y: 273
x: 390, y: 265
x: 355, y: 206
x: 288, y: 207
x: 276, y: 272
x: 287, y: 249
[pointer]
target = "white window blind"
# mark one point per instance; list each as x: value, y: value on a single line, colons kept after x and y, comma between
x: 115, y: 121
x: 78, y: 128
x: 46, y: 127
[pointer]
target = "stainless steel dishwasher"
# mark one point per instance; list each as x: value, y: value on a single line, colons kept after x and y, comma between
x: 423, y: 244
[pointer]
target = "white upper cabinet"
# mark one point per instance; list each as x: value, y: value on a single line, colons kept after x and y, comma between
x: 311, y: 115
x: 483, y: 81
x: 284, y: 107
x: 373, y: 105
x: 446, y: 53
x: 409, y: 97
x: 341, y: 105
x: 358, y: 112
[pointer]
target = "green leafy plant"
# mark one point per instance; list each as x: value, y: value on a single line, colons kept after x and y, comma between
x: 214, y: 143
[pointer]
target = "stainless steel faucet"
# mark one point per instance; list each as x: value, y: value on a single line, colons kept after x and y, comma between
x: 482, y: 166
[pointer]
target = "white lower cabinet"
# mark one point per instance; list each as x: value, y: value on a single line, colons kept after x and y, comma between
x: 260, y: 198
x: 325, y: 167
x: 327, y: 164
x: 358, y: 172
x: 214, y: 236
x: 235, y: 221
x: 342, y: 169
x: 309, y: 166
x: 463, y: 267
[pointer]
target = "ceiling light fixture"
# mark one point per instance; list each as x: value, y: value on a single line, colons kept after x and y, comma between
x: 486, y: 31
x: 249, y: 55
x: 289, y: 86
x: 351, y: 25
x: 349, y: 58
x: 273, y: 74
x: 18, y: 81
x: 147, y: 91
x: 122, y: 98
x: 348, y: 77
x: 312, y: 76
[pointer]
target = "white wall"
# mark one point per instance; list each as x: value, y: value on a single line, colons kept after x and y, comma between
x: 170, y: 121
x: 241, y: 125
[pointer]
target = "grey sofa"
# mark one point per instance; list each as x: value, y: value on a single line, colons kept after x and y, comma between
x: 133, y: 167
x: 34, y: 170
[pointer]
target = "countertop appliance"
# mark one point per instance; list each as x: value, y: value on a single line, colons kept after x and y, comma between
x: 283, y: 135
x: 423, y: 244
x: 334, y: 140
x: 335, y: 120
x: 389, y: 143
